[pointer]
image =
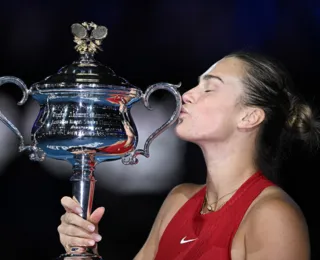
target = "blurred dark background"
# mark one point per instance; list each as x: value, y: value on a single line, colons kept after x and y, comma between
x: 148, y: 42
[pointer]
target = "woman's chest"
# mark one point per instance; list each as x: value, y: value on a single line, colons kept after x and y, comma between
x: 197, y: 238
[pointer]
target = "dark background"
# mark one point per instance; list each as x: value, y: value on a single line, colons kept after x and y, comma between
x: 148, y: 42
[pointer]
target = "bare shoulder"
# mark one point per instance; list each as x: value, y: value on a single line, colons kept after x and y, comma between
x: 184, y: 191
x: 275, y: 228
x: 274, y: 203
x: 178, y: 196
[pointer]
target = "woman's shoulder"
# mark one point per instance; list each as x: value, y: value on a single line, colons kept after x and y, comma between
x: 179, y: 195
x: 274, y: 196
x: 176, y: 198
x: 275, y: 215
x: 277, y: 211
x: 272, y: 201
x: 185, y: 190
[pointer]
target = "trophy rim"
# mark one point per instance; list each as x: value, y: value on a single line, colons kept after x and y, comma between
x: 38, y: 88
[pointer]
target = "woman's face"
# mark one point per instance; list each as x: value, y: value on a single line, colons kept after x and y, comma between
x: 212, y: 109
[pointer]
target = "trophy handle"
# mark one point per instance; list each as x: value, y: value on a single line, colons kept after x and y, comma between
x: 132, y: 158
x: 36, y: 154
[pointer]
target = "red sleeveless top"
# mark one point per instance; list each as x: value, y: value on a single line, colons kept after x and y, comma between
x: 192, y: 236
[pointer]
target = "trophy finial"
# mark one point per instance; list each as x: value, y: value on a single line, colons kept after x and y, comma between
x: 88, y: 37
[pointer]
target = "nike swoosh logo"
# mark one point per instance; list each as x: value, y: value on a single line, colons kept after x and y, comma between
x: 184, y: 241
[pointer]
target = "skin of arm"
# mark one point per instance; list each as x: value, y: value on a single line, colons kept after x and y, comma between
x: 276, y: 229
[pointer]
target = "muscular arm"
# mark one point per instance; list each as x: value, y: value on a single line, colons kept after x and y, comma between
x: 175, y: 199
x: 276, y: 229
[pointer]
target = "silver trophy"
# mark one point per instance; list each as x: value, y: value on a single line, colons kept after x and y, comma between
x: 85, y: 118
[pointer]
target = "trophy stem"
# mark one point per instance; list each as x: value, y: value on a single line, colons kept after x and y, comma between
x: 83, y: 182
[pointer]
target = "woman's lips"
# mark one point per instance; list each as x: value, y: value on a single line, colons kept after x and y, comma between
x: 183, y: 111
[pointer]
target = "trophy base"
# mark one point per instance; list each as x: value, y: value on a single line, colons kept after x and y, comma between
x: 84, y: 256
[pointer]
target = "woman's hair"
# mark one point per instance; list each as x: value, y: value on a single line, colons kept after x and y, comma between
x: 269, y: 86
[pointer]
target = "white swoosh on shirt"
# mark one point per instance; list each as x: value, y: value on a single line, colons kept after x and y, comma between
x: 184, y: 241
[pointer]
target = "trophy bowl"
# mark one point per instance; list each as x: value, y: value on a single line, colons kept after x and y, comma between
x: 85, y: 119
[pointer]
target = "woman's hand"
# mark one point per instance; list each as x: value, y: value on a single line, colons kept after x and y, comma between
x: 76, y: 232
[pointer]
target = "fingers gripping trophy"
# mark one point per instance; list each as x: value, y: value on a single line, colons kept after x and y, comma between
x: 84, y: 117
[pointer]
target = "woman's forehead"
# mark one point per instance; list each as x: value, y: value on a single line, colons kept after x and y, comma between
x: 229, y: 67
x: 210, y: 69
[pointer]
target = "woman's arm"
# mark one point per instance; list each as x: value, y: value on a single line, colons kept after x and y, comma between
x: 276, y: 229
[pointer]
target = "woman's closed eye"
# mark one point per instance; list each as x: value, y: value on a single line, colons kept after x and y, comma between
x: 209, y: 88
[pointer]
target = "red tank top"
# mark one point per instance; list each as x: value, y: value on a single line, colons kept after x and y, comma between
x: 192, y: 236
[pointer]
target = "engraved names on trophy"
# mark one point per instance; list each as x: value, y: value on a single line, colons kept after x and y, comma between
x: 72, y: 119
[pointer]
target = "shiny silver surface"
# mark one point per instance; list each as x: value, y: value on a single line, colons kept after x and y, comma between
x: 85, y: 116
x: 83, y: 256
x: 35, y: 153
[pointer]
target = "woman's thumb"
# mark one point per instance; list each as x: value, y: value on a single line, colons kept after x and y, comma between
x: 97, y: 215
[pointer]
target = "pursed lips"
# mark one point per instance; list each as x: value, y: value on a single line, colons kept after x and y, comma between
x: 183, y: 111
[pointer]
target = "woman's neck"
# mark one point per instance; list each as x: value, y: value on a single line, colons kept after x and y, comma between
x: 227, y: 168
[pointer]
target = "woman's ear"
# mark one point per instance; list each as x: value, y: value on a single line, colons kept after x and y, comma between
x: 251, y: 118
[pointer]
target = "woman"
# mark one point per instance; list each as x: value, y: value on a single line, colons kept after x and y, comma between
x: 240, y: 112
x: 127, y: 145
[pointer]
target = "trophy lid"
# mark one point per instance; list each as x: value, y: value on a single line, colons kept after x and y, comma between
x: 86, y: 72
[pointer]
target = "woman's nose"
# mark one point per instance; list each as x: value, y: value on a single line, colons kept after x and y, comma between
x: 187, y: 97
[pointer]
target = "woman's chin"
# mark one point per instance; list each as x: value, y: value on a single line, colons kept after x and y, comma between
x: 181, y: 132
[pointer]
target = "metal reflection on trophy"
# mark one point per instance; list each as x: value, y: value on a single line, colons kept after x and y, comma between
x: 85, y: 117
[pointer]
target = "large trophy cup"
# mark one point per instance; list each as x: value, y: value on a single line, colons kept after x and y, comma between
x: 85, y: 118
